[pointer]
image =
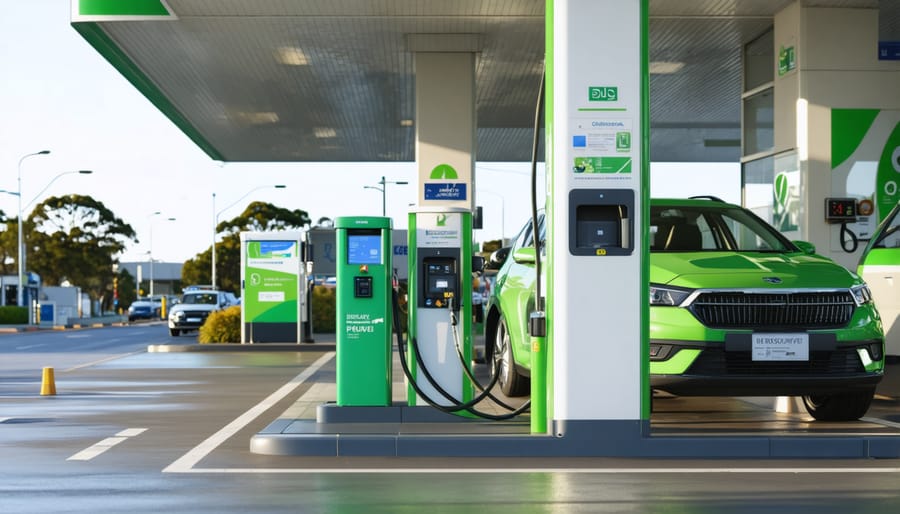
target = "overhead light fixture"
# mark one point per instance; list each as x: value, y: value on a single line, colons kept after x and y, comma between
x: 255, y: 118
x: 665, y: 67
x: 291, y: 56
x: 324, y: 132
x: 406, y: 123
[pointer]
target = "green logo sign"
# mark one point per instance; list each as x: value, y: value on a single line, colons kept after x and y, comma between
x: 623, y: 141
x: 787, y: 60
x: 443, y: 172
x: 603, y: 94
x: 441, y: 220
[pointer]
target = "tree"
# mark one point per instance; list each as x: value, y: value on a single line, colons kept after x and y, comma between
x: 75, y: 238
x: 257, y: 217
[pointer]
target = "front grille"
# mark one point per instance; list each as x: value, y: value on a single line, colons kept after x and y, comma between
x: 196, y: 314
x: 716, y: 362
x: 774, y: 311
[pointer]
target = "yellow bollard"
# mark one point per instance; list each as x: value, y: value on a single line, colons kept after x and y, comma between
x: 48, y: 383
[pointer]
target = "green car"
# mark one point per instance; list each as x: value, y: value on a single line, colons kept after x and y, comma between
x: 735, y: 310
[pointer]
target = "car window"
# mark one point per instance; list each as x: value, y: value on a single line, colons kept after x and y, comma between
x: 200, y: 298
x: 695, y: 229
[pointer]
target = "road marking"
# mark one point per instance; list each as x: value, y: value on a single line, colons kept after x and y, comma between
x: 28, y: 347
x: 104, y: 445
x: 101, y: 361
x: 884, y: 422
x: 77, y: 336
x: 186, y: 462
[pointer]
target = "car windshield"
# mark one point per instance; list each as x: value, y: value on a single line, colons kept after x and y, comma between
x: 195, y: 298
x: 713, y: 229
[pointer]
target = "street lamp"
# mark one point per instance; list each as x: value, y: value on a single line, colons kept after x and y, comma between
x: 22, y: 254
x: 150, y: 251
x: 216, y: 221
x: 383, y: 190
x: 21, y: 257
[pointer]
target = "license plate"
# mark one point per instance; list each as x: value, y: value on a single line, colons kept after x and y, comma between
x: 193, y: 320
x: 780, y: 347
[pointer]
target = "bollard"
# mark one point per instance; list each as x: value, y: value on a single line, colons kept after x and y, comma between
x: 48, y: 383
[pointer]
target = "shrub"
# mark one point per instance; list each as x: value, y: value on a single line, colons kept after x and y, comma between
x: 323, y: 309
x: 13, y: 315
x: 222, y: 326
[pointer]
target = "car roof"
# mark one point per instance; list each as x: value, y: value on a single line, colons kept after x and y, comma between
x: 695, y: 201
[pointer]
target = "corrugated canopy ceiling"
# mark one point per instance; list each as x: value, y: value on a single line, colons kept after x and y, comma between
x: 332, y: 80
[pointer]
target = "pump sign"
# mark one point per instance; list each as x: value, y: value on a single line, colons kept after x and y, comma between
x: 271, y: 282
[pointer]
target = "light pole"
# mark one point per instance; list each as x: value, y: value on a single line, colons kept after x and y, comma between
x: 22, y: 254
x: 21, y: 249
x: 383, y: 190
x: 216, y: 221
x: 150, y: 251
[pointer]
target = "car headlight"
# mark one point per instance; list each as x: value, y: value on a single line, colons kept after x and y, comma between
x: 660, y: 295
x: 861, y: 294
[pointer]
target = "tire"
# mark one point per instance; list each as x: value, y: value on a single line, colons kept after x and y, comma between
x: 839, y: 407
x: 174, y: 332
x: 511, y: 382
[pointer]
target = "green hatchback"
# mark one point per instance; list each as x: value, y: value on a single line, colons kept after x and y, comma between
x: 735, y: 310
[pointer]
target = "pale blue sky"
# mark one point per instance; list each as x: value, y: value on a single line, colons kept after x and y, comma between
x: 57, y: 93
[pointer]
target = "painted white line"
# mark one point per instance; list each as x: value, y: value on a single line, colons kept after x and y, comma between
x: 101, y: 361
x: 520, y: 470
x: 30, y: 346
x: 104, y: 445
x: 92, y: 451
x: 884, y: 422
x: 131, y: 432
x: 77, y: 336
x: 186, y: 462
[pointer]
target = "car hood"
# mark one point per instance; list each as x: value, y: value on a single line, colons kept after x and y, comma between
x: 748, y: 270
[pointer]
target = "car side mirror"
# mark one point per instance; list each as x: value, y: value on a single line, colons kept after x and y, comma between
x: 477, y: 264
x: 805, y: 247
x: 498, y: 257
x: 525, y: 255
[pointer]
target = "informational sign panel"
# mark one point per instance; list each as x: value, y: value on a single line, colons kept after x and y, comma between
x: 274, y: 286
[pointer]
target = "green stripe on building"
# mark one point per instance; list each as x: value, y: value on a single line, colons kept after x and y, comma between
x: 122, y: 8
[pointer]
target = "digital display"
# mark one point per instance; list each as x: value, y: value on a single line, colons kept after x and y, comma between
x: 840, y: 209
x: 363, y: 249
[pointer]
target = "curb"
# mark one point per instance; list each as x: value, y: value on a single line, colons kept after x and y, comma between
x: 239, y: 347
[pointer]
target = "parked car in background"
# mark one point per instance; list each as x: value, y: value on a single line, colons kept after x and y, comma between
x: 144, y: 308
x: 735, y: 309
x: 195, y: 306
x: 880, y: 268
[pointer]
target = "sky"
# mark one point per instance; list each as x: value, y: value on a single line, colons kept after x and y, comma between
x: 57, y: 93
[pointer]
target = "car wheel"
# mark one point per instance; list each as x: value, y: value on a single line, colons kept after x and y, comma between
x: 174, y: 332
x: 839, y: 407
x: 511, y: 382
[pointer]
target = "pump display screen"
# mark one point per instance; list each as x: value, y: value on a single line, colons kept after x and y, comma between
x: 363, y: 249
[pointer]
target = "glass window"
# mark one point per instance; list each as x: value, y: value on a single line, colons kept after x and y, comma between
x: 759, y: 61
x: 759, y: 122
x: 890, y: 236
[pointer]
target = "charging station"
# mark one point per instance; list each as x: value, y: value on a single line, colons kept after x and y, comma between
x: 363, y: 311
x: 440, y: 303
x: 273, y: 284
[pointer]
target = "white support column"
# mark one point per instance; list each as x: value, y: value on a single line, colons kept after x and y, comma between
x: 445, y: 129
x: 597, y: 290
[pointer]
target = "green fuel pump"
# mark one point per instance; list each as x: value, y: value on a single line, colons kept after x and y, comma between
x: 364, y: 318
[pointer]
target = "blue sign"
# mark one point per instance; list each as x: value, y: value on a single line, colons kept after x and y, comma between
x: 445, y: 191
x: 889, y: 50
x: 579, y: 141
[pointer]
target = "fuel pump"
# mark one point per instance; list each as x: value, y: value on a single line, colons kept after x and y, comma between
x: 440, y: 289
x: 364, y: 317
